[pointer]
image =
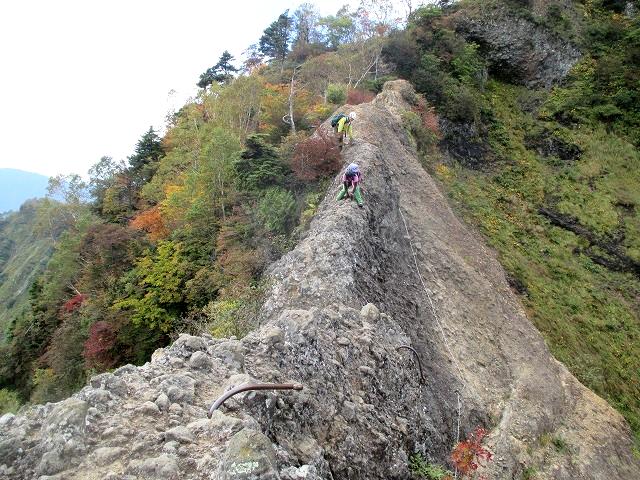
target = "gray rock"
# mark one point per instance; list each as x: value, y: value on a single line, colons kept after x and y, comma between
x: 162, y: 467
x: 51, y: 463
x: 68, y: 415
x: 6, y: 420
x: 517, y: 47
x: 249, y: 455
x: 370, y: 313
x: 171, y: 447
x: 176, y: 362
x: 191, y: 343
x: 305, y: 472
x: 106, y: 455
x: 200, y: 360
x: 163, y: 402
x: 178, y: 387
x: 219, y: 426
x: 179, y: 434
x: 107, y: 381
x: 148, y: 408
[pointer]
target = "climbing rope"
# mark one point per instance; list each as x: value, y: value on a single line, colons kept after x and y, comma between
x: 440, y: 327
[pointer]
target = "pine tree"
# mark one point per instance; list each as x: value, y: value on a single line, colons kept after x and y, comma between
x: 221, y: 72
x: 144, y: 161
x: 259, y: 166
x: 275, y: 39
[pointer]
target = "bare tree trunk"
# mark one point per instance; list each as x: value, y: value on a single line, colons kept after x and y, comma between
x: 291, y: 92
x: 365, y: 72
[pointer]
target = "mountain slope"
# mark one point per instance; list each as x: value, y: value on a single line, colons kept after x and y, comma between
x: 23, y: 255
x: 363, y: 409
x: 16, y: 186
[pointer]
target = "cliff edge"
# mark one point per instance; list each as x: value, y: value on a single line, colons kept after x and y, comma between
x: 401, y: 271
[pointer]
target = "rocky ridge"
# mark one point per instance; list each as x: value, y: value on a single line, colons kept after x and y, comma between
x: 340, y: 305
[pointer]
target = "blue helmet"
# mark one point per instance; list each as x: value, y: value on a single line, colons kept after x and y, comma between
x: 353, y: 169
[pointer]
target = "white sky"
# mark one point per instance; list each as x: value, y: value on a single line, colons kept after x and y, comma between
x: 85, y: 78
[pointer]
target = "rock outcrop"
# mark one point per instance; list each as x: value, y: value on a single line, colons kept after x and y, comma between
x: 340, y: 305
x: 518, y: 49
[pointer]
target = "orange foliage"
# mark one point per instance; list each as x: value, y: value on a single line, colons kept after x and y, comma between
x: 151, y: 222
x: 430, y: 121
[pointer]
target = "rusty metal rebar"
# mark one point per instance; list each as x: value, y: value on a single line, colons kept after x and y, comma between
x: 251, y: 386
x: 417, y: 359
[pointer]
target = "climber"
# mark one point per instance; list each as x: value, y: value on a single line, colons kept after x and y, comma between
x: 342, y: 125
x: 351, y: 179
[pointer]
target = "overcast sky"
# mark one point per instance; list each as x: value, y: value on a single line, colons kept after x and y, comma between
x: 82, y: 79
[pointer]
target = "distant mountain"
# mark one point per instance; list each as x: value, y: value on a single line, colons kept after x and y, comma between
x: 16, y: 186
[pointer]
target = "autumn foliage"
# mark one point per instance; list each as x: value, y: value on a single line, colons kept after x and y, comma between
x: 468, y: 454
x: 151, y: 222
x: 74, y: 302
x: 356, y: 97
x: 97, y: 348
x: 315, y: 157
x: 429, y: 117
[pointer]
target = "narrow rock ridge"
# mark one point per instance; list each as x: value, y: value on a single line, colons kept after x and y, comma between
x: 340, y: 304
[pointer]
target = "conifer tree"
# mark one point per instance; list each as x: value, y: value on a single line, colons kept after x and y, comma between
x: 275, y: 39
x: 145, y: 158
x: 221, y: 72
x: 259, y: 166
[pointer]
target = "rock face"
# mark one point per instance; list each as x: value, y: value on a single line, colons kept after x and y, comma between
x: 517, y: 49
x: 340, y: 305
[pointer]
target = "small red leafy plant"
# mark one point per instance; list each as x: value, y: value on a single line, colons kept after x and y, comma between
x: 74, y: 302
x: 467, y: 455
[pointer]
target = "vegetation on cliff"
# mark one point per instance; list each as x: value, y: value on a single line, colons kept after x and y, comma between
x: 550, y: 177
x: 176, y: 238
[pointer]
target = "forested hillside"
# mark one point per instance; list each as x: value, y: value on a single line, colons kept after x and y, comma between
x: 24, y: 252
x: 175, y: 238
x: 535, y: 142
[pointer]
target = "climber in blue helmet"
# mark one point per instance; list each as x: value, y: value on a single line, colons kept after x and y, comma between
x: 351, y: 184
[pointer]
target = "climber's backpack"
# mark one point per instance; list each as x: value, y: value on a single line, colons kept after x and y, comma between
x: 336, y: 119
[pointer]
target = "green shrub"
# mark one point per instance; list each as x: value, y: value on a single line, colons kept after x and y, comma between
x: 9, y: 401
x: 235, y: 316
x: 560, y: 444
x: 469, y: 67
x: 423, y: 469
x: 336, y: 94
x: 424, y: 138
x: 276, y: 210
x: 311, y: 202
x: 224, y: 319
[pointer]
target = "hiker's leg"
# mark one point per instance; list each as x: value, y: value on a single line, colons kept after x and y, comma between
x: 358, y: 195
x: 343, y: 192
